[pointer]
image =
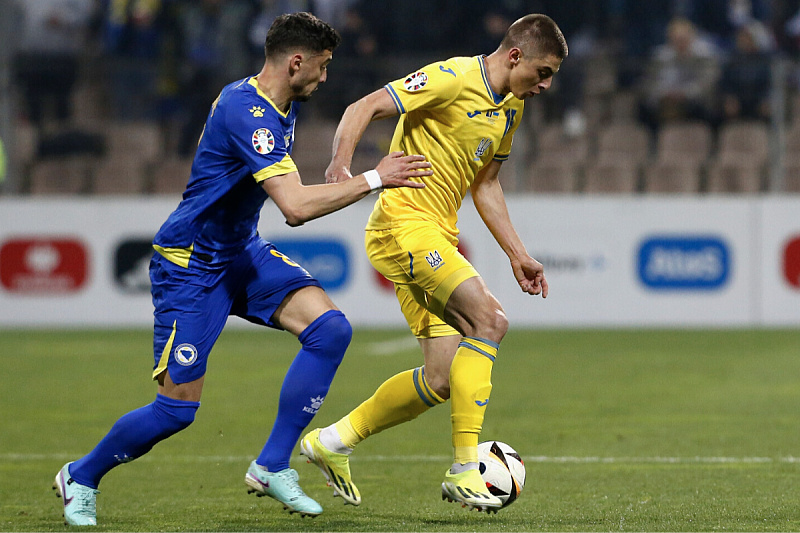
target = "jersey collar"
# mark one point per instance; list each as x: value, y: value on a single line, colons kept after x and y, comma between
x: 496, y: 98
x: 254, y: 82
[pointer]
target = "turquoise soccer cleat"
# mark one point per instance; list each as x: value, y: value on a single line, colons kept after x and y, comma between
x: 80, y: 501
x: 281, y: 486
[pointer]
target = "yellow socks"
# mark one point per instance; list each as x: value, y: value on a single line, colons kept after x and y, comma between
x: 399, y: 399
x: 406, y: 395
x: 470, y: 387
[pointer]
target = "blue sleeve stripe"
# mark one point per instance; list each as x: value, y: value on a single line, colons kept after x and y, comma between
x: 499, y: 157
x: 397, y: 103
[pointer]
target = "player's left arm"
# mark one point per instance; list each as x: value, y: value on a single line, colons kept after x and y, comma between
x: 487, y: 195
x: 300, y: 203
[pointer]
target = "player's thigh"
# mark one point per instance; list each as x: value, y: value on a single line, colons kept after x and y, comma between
x: 302, y: 307
x: 474, y: 310
x: 421, y: 321
x: 423, y: 256
x: 190, y: 310
x: 277, y: 292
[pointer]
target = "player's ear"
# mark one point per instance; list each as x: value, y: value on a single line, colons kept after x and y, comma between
x: 295, y: 61
x: 514, y: 55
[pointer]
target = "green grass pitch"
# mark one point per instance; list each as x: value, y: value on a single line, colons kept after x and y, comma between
x: 625, y: 430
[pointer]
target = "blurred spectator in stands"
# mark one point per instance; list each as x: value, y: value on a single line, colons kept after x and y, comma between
x: 132, y: 38
x: 47, y: 59
x: 334, y: 12
x: 356, y: 70
x: 721, y: 19
x: 416, y: 26
x: 584, y: 25
x: 681, y: 77
x: 745, y: 83
x: 642, y: 26
x: 214, y: 52
x: 266, y: 12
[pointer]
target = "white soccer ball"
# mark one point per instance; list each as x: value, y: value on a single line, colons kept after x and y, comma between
x: 502, y: 469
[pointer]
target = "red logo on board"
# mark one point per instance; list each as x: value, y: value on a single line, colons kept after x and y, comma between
x: 791, y: 262
x: 43, y: 266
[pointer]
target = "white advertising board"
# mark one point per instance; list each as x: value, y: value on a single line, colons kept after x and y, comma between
x: 610, y: 262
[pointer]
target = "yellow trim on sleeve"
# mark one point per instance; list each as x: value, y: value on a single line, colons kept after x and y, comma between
x: 162, y: 362
x: 285, y: 166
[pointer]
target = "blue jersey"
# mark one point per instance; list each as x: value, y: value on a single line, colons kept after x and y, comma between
x: 246, y: 140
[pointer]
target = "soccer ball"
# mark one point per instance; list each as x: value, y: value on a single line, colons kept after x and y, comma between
x: 502, y: 469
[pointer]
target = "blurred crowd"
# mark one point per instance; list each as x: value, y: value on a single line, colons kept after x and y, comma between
x: 166, y: 60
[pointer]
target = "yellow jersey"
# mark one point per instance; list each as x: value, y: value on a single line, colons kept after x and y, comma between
x: 449, y: 114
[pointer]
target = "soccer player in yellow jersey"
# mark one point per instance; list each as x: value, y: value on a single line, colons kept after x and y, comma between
x: 461, y: 114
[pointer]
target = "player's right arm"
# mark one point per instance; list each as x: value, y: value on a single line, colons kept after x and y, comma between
x: 354, y: 122
x: 300, y: 203
x: 434, y: 85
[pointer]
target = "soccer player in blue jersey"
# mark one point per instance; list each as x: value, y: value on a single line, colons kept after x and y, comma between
x: 210, y: 262
x: 461, y: 113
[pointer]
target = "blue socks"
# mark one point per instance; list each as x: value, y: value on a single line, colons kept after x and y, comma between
x: 304, y: 388
x: 305, y: 385
x: 132, y: 436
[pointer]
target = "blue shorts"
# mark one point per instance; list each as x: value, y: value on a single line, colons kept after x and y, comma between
x: 192, y: 304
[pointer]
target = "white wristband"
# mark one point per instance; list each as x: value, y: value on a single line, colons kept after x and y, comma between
x: 373, y: 179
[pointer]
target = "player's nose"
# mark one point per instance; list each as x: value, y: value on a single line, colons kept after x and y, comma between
x: 544, y: 84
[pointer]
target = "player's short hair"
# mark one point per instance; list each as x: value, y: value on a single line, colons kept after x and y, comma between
x: 300, y: 30
x: 536, y: 35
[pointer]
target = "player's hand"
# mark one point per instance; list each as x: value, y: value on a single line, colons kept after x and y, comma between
x: 530, y: 276
x: 336, y: 173
x: 396, y: 169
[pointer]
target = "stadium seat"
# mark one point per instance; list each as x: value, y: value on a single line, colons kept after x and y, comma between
x: 791, y: 177
x: 26, y: 140
x: 624, y: 106
x: 676, y: 176
x: 552, y: 175
x: 170, y: 175
x: 743, y: 140
x: 611, y: 177
x: 140, y: 138
x: 735, y: 176
x: 374, y: 145
x: 552, y: 142
x: 118, y: 174
x: 62, y: 175
x: 312, y: 149
x: 684, y: 141
x: 623, y: 141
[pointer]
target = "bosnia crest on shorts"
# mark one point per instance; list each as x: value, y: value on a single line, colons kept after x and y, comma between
x: 263, y: 141
x: 416, y: 81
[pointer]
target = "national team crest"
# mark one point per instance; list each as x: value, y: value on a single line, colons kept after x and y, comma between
x: 263, y: 141
x: 416, y: 81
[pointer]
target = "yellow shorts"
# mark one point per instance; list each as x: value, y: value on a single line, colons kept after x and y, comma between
x: 425, y: 266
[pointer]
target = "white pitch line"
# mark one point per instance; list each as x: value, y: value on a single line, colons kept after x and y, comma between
x: 393, y: 346
x: 29, y: 457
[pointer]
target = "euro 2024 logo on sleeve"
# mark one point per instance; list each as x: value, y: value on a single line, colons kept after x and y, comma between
x: 684, y: 262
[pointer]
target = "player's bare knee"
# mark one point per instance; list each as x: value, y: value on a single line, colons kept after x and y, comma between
x: 491, y: 323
